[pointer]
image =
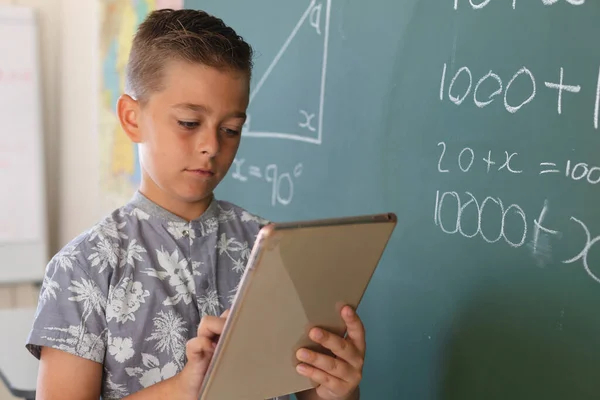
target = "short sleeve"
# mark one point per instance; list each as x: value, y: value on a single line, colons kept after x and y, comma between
x: 71, y: 308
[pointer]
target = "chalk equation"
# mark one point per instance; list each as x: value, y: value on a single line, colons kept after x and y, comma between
x: 451, y: 208
x: 484, y: 90
x: 480, y: 4
x: 466, y: 158
x: 282, y: 183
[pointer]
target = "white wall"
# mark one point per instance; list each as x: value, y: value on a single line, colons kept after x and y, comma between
x: 69, y: 55
x: 79, y: 169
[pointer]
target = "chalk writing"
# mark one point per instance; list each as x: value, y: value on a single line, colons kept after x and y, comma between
x: 480, y: 4
x: 282, y: 184
x: 307, y: 121
x: 572, y: 2
x: 467, y: 157
x: 470, y: 153
x: 583, y: 255
x: 496, y: 220
x: 561, y: 87
x: 255, y: 171
x: 507, y: 163
x: 237, y: 173
x: 537, y: 228
x: 548, y: 168
x: 597, y: 104
x: 491, y: 202
x: 489, y: 161
x: 575, y: 171
x: 458, y: 96
x: 442, y: 156
x: 490, y: 87
x: 450, y: 208
x: 315, y: 18
x: 582, y: 170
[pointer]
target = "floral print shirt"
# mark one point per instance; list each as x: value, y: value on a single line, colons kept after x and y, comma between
x: 130, y: 292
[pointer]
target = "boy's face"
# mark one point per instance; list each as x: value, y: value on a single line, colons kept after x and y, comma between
x: 189, y: 132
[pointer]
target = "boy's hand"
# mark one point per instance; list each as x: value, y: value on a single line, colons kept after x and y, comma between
x: 199, y: 352
x: 338, y: 377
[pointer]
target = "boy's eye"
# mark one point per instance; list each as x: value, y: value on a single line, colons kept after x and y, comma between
x: 188, y: 124
x: 231, y: 132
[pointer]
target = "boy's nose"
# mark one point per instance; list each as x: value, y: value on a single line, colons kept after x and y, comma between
x: 209, y: 142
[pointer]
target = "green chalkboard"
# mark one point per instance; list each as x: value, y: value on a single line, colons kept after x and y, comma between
x: 451, y: 114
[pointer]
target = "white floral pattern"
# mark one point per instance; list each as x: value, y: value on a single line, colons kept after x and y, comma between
x: 152, y: 373
x: 125, y: 300
x: 209, y: 303
x: 131, y: 254
x: 226, y: 215
x: 121, y: 348
x: 247, y: 217
x: 131, y: 291
x: 139, y: 214
x: 88, y: 293
x: 209, y: 226
x: 49, y: 289
x: 179, y: 276
x: 114, y: 390
x: 108, y: 228
x: 105, y: 254
x: 169, y: 330
x: 76, y: 340
x: 66, y: 257
x: 230, y: 246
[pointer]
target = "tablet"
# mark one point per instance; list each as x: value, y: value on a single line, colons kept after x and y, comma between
x: 299, y: 275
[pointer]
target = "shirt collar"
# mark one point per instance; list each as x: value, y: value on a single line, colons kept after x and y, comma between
x: 148, y: 206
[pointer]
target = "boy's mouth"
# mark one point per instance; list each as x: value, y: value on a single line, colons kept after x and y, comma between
x: 204, y: 172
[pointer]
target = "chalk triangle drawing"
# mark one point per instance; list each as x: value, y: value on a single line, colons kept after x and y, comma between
x: 277, y: 108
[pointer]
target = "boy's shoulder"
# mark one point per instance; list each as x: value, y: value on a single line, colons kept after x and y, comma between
x: 100, y: 242
x: 102, y: 245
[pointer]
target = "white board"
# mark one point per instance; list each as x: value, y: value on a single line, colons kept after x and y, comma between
x: 23, y: 238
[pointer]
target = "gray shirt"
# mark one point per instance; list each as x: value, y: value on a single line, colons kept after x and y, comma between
x: 130, y: 292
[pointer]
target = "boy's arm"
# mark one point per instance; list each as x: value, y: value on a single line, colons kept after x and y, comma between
x: 67, y: 376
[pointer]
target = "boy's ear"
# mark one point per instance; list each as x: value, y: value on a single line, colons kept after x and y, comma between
x: 128, y: 111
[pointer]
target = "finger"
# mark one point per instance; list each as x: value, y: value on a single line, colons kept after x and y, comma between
x: 328, y: 382
x: 355, y: 328
x: 199, y: 348
x: 341, y: 347
x: 226, y: 313
x: 334, y: 367
x: 210, y: 326
x: 199, y: 353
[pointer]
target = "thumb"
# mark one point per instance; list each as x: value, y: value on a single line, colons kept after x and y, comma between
x: 226, y: 313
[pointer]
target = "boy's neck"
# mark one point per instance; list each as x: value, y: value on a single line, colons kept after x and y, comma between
x: 186, y: 210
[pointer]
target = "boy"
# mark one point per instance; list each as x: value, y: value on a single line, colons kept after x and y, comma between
x: 132, y: 307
